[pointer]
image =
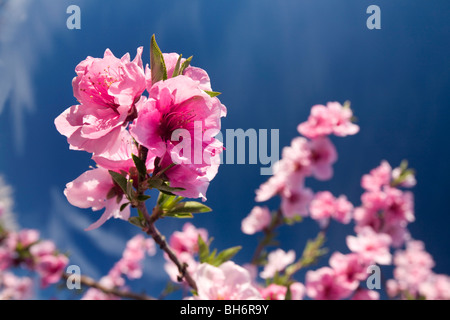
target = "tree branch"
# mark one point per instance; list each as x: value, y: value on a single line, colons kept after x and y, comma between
x: 152, y: 231
x: 87, y: 281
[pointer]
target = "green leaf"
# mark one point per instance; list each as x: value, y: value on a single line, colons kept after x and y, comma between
x: 225, y: 255
x: 143, y: 198
x: 191, y: 207
x: 212, y: 94
x: 120, y: 180
x: 185, y: 64
x: 203, y: 249
x: 137, y: 221
x: 181, y: 215
x: 313, y: 250
x: 123, y: 206
x: 176, y: 71
x: 130, y: 191
x: 140, y: 166
x: 157, y: 64
x: 162, y: 186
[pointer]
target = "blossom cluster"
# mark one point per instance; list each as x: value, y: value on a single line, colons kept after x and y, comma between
x: 311, y: 158
x: 25, y: 250
x: 115, y: 121
x: 130, y: 265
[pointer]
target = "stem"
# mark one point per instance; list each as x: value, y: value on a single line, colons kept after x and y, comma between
x: 87, y: 281
x: 268, y: 233
x: 161, y: 241
x: 309, y: 256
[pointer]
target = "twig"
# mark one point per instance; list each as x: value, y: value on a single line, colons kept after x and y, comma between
x: 87, y: 281
x: 268, y: 233
x: 152, y: 231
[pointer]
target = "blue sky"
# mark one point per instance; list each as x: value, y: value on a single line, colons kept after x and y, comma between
x: 272, y: 60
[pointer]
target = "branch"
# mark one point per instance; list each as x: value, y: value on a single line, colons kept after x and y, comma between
x: 268, y: 234
x: 87, y: 281
x: 152, y: 231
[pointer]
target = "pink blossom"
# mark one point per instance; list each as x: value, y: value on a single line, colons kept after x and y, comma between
x: 319, y: 124
x: 413, y: 267
x: 172, y: 270
x: 342, y: 119
x: 322, y: 206
x: 130, y: 263
x: 95, y: 294
x: 226, y: 282
x: 325, y: 206
x: 323, y: 156
x: 91, y: 189
x: 107, y: 90
x: 275, y: 184
x: 6, y: 258
x: 323, y: 284
x: 258, y: 219
x: 177, y: 124
x: 27, y: 237
x: 118, y: 155
x: 371, y: 246
x: 400, y: 206
x: 378, y: 177
x: 296, y: 158
x: 15, y: 288
x: 349, y: 268
x: 408, y: 182
x: 330, y: 119
x: 343, y: 210
x: 278, y: 260
x: 187, y: 240
x: 196, y: 74
x: 274, y: 292
x: 50, y: 268
x: 42, y: 249
x: 437, y: 287
x: 364, y: 294
x: 109, y: 82
x: 298, y: 291
x: 296, y: 201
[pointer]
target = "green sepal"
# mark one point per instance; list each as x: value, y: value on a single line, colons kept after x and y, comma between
x: 157, y: 64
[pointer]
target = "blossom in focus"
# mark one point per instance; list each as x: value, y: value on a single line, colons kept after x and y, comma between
x: 177, y: 123
x: 197, y: 74
x: 258, y: 219
x: 278, y: 260
x: 226, y: 282
x: 107, y: 89
x: 95, y: 189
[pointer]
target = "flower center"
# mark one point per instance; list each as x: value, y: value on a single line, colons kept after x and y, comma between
x: 174, y: 120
